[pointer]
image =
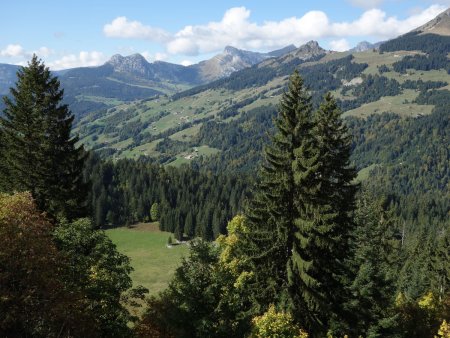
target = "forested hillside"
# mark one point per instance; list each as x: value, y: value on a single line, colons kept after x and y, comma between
x: 189, y: 203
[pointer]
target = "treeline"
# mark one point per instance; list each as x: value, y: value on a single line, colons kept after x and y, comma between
x: 422, y: 62
x: 189, y: 202
x: 371, y: 89
x: 428, y: 43
x: 435, y: 46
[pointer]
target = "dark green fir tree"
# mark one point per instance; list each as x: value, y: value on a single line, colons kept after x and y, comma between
x: 324, y: 201
x: 272, y: 211
x: 300, y: 217
x: 38, y: 152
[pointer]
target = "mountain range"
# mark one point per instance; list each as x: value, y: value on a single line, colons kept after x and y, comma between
x: 128, y: 78
x: 124, y: 79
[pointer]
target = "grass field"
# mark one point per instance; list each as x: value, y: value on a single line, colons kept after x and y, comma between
x: 364, y: 173
x: 154, y: 264
x: 400, y: 104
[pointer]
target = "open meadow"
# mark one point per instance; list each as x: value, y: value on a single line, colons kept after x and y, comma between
x: 153, y: 262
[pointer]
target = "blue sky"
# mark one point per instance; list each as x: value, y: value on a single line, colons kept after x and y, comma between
x: 68, y: 34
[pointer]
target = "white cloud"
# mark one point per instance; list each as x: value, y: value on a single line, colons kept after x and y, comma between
x: 161, y: 56
x: 340, y: 45
x: 13, y: 51
x: 376, y: 23
x: 43, y: 52
x: 83, y: 59
x: 16, y: 51
x: 366, y: 3
x: 121, y: 27
x: 186, y: 63
x: 154, y: 57
x: 236, y: 29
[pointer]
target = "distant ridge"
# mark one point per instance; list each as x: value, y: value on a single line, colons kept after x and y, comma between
x: 233, y: 59
x: 365, y: 46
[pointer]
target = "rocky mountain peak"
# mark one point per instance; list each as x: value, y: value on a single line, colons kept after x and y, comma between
x: 116, y: 59
x: 134, y: 63
x: 231, y: 50
x: 309, y: 50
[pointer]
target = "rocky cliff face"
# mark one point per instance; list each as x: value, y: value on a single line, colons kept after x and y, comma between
x: 137, y: 66
x: 134, y: 64
x: 304, y: 52
x: 309, y: 50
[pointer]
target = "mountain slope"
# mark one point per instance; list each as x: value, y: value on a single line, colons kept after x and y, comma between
x: 439, y: 25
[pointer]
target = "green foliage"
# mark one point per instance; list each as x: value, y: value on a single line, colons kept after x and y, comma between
x: 240, y: 140
x: 199, y: 301
x: 436, y: 46
x: 271, y: 212
x: 154, y: 212
x: 102, y: 275
x: 35, y: 300
x: 38, y: 154
x: 276, y: 324
x: 422, y: 62
x: 377, y: 259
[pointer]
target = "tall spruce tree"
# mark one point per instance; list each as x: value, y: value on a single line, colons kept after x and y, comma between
x: 300, y: 217
x: 324, y: 202
x: 272, y: 211
x: 39, y: 155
